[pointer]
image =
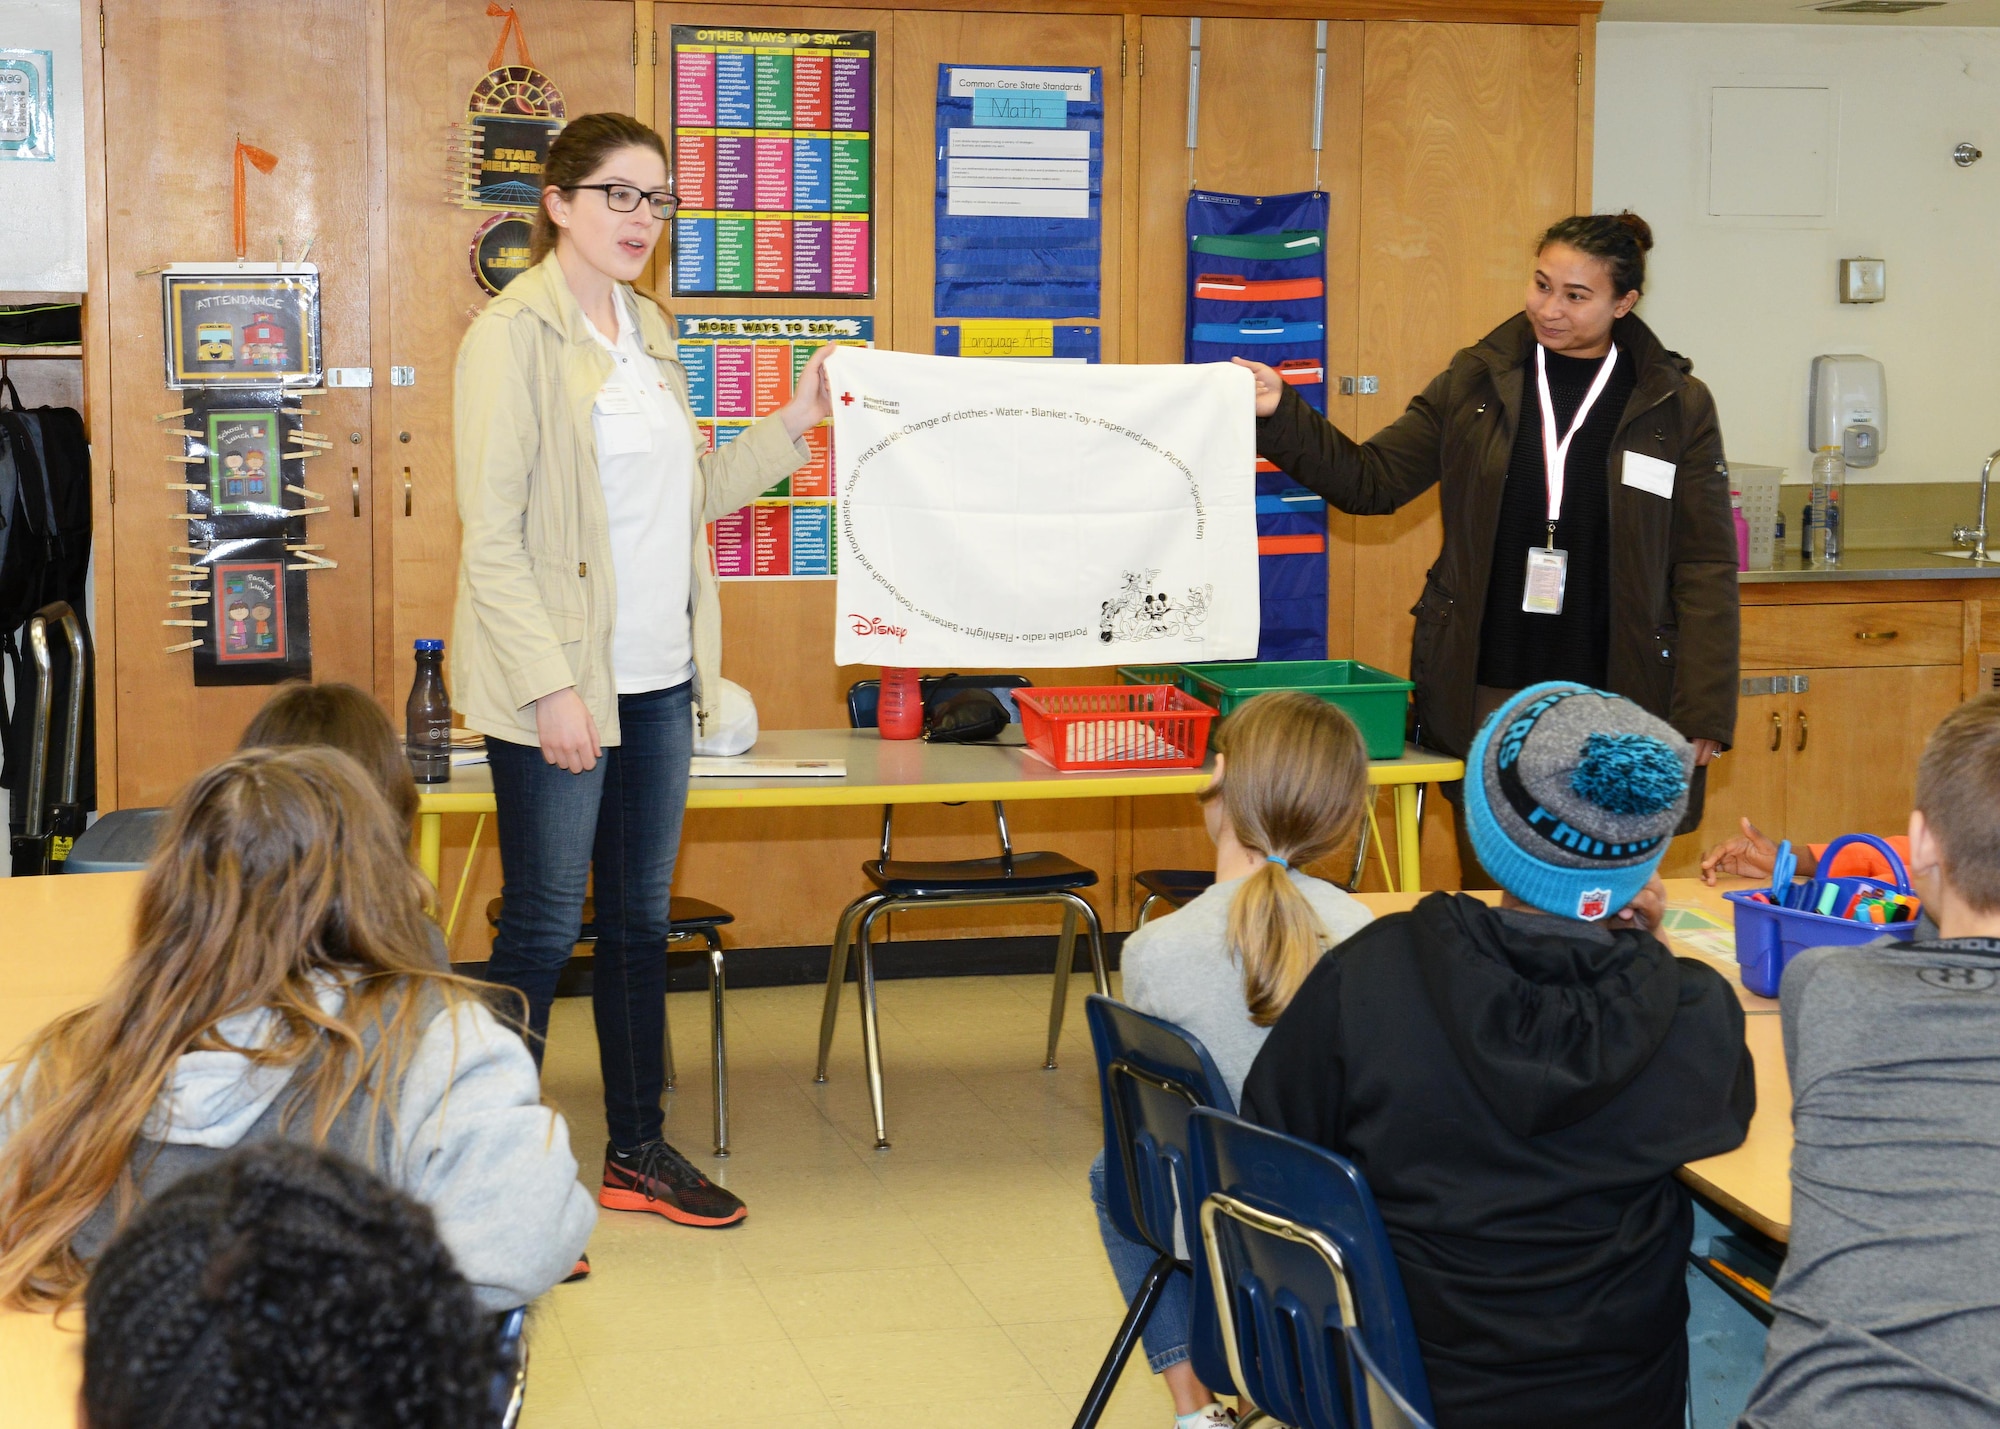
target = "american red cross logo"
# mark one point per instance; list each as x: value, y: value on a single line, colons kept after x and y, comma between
x: 847, y: 399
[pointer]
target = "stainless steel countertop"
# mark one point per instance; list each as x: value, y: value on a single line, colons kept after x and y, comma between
x: 1895, y: 564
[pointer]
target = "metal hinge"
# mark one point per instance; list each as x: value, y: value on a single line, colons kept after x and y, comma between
x: 100, y: 27
x: 1579, y: 69
x: 1121, y: 59
x: 1142, y: 59
x: 1360, y: 386
x: 1776, y: 685
x: 656, y: 49
x: 635, y: 49
x: 112, y: 494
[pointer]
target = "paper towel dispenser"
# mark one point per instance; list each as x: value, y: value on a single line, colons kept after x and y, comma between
x: 1848, y: 408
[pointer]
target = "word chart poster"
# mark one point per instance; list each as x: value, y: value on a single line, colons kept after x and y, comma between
x: 774, y: 162
x: 743, y: 368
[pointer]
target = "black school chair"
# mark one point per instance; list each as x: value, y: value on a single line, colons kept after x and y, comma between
x: 686, y: 918
x: 904, y: 884
x: 1178, y: 887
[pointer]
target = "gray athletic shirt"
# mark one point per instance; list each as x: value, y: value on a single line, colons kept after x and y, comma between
x: 1180, y: 968
x: 1888, y: 1306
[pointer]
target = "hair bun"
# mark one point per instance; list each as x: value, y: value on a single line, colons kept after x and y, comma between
x: 1642, y: 231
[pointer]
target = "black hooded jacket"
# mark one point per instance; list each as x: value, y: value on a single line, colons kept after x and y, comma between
x: 1519, y: 1089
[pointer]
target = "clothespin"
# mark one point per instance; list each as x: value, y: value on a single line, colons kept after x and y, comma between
x: 306, y: 510
x: 186, y: 645
x: 189, y: 460
x: 195, y: 624
x: 184, y: 485
x: 169, y: 416
x: 300, y: 490
x: 182, y: 432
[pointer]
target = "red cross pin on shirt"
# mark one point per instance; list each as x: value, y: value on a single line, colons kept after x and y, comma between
x: 847, y: 399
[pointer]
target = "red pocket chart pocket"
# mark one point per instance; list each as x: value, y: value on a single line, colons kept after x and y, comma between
x: 1228, y: 288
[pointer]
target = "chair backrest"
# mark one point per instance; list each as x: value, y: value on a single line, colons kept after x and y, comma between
x: 864, y: 697
x: 510, y: 1381
x: 1151, y: 1074
x: 1295, y: 1257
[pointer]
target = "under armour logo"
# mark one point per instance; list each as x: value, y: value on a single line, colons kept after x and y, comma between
x: 1960, y: 979
x: 847, y: 399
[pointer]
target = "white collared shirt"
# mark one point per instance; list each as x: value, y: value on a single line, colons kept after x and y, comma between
x: 645, y: 463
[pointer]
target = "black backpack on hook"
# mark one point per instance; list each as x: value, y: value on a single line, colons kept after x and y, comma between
x: 44, y: 556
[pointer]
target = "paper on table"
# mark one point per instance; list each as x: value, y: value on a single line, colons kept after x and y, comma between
x: 706, y: 766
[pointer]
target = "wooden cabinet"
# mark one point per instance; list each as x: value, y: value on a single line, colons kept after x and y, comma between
x: 1831, y: 748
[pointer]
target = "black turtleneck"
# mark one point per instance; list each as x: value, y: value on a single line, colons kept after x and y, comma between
x: 1518, y: 649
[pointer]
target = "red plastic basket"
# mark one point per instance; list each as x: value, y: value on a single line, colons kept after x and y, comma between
x: 1115, y: 726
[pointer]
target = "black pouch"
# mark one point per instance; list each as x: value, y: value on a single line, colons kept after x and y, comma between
x: 965, y: 717
x: 41, y: 325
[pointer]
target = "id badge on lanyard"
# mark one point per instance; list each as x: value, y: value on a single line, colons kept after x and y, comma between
x: 1548, y: 568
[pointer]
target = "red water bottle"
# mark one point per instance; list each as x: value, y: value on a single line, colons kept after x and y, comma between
x: 900, y: 714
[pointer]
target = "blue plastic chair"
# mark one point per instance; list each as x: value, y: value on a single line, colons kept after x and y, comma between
x: 1295, y: 1262
x: 1151, y: 1076
x: 1384, y: 1406
x: 510, y: 1380
x: 902, y: 884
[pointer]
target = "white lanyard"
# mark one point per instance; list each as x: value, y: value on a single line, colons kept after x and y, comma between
x: 1555, y: 452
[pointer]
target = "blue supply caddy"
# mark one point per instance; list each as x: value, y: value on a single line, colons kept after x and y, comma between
x: 1770, y: 934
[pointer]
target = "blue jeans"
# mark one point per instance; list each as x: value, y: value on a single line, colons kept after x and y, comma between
x: 622, y: 822
x: 1166, y: 1333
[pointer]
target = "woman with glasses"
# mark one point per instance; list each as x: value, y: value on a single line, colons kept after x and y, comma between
x: 587, y: 635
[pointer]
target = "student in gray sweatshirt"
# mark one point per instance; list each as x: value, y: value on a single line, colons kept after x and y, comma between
x: 1888, y: 1306
x: 282, y: 984
x: 1291, y: 778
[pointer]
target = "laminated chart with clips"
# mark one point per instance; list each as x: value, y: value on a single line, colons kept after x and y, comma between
x: 773, y: 141
x: 1257, y: 289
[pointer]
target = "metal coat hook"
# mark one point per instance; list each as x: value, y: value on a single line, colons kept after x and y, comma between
x: 1966, y: 155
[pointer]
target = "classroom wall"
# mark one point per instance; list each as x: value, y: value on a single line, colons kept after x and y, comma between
x: 1751, y: 301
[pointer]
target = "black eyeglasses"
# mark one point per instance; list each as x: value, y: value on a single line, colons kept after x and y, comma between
x: 623, y: 198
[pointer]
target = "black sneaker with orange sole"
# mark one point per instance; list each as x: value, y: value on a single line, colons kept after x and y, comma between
x: 659, y: 1179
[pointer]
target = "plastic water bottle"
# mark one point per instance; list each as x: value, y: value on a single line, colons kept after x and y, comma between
x: 427, y: 717
x: 900, y: 712
x: 1829, y: 473
x: 1833, y: 497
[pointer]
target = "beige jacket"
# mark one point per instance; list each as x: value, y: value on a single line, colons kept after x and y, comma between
x: 536, y: 592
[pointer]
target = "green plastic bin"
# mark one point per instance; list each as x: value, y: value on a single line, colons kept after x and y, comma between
x: 1374, y: 699
x: 1181, y: 677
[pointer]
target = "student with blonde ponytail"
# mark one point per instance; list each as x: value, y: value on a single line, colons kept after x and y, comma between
x: 282, y: 985
x: 1291, y: 777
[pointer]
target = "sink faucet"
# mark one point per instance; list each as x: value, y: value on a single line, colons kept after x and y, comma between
x: 1976, y: 539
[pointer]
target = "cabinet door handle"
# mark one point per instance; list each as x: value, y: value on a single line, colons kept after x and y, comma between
x: 1803, y: 732
x: 1777, y: 731
x: 1876, y: 634
x: 354, y: 476
x: 406, y: 491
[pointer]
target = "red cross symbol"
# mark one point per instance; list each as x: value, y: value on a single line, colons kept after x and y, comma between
x: 847, y: 399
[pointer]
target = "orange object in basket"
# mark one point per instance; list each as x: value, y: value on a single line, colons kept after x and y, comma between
x: 1115, y: 726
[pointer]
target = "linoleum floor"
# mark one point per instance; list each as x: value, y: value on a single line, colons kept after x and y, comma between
x: 955, y: 1281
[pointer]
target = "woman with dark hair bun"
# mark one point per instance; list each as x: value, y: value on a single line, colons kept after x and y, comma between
x: 1566, y: 433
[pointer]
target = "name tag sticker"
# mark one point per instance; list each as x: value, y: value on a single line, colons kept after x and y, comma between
x: 1650, y: 474
x: 622, y: 434
x: 615, y: 399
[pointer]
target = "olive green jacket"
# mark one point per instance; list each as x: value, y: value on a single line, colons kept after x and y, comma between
x: 536, y: 592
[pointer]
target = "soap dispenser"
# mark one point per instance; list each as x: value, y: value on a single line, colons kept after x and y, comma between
x: 1848, y: 408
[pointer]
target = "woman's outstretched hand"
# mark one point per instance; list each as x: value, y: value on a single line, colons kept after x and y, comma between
x: 811, y: 401
x: 1270, y: 386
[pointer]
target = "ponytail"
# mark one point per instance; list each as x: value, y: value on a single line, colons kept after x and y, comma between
x: 1293, y: 788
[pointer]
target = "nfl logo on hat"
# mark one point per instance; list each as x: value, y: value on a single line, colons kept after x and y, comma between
x: 1594, y: 904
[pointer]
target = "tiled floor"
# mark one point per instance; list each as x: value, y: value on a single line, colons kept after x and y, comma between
x: 954, y: 1282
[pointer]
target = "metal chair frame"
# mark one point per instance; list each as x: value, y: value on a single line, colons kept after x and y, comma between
x: 854, y: 932
x: 718, y: 1041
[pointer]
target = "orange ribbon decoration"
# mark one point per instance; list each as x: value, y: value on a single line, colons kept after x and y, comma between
x: 265, y: 161
x: 513, y: 27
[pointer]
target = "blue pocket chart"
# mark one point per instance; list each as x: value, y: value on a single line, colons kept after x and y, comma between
x: 1020, y: 182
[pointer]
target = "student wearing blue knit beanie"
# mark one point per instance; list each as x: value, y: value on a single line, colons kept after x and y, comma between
x: 1520, y: 1083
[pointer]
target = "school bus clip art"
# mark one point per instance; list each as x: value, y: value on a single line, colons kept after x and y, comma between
x: 215, y: 342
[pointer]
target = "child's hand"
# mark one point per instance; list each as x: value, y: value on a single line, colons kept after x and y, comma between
x: 1644, y: 911
x: 1748, y: 855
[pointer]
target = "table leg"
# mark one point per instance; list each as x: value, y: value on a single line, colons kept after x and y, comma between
x: 430, y: 845
x: 1409, y: 856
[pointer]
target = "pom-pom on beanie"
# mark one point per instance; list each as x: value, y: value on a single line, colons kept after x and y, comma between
x: 1571, y: 795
